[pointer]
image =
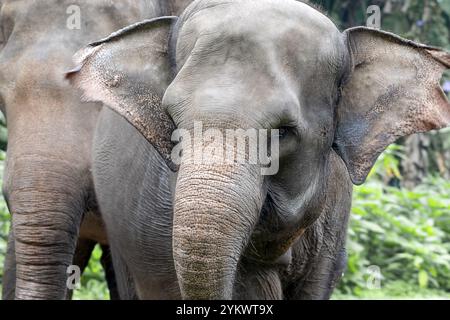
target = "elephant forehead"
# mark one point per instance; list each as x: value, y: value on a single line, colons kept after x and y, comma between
x: 264, y: 23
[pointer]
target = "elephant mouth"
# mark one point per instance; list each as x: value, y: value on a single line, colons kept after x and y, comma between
x: 274, y: 236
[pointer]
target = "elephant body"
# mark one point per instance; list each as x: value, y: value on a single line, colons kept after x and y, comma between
x: 48, y: 183
x: 135, y: 189
x: 184, y: 222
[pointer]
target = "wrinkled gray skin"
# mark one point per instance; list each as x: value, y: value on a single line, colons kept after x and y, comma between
x: 48, y: 184
x: 226, y: 231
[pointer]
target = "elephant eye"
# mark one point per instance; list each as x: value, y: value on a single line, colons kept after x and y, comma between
x: 283, y: 132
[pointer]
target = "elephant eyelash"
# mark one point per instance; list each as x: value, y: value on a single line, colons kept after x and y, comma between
x: 286, y: 130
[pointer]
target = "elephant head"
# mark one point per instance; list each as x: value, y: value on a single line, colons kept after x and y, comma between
x: 261, y: 65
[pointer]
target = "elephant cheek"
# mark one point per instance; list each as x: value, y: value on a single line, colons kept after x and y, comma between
x: 216, y: 209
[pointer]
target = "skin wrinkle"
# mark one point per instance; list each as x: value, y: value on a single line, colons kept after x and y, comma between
x: 233, y: 230
x: 211, y: 204
x: 264, y: 282
x: 192, y: 231
x: 47, y: 177
x: 288, y: 229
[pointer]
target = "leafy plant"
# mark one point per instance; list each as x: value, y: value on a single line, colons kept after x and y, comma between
x: 403, y: 232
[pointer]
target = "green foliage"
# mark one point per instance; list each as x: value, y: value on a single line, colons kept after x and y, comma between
x: 405, y: 233
x: 426, y: 21
x: 394, y: 290
x: 387, y: 166
x: 93, y: 284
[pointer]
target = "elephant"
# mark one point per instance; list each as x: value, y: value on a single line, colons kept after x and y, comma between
x: 48, y: 183
x: 185, y: 224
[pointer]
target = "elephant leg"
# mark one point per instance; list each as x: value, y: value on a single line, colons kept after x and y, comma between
x: 9, y: 271
x: 81, y: 257
x: 107, y: 264
x: 314, y: 275
x: 257, y: 282
x: 124, y: 279
x: 321, y: 279
x: 47, y: 201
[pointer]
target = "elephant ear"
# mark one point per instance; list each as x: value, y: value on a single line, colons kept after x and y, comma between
x: 129, y: 72
x: 393, y: 90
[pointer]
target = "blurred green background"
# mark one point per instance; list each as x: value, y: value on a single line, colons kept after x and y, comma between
x: 399, y: 237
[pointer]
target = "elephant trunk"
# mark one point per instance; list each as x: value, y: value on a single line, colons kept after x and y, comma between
x: 216, y: 209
